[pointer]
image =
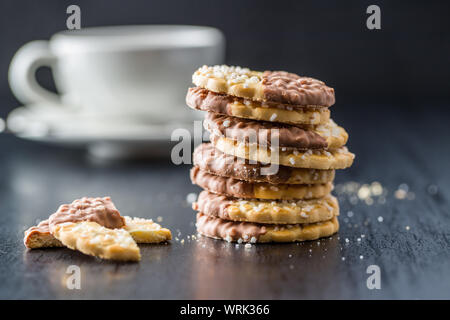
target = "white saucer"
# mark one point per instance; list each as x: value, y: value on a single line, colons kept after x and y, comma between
x: 105, y: 137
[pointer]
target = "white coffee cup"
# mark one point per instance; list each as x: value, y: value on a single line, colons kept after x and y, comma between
x: 140, y: 72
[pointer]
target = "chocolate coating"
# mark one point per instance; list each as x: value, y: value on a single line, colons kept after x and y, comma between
x: 221, y: 185
x: 205, y: 100
x: 223, y: 229
x: 245, y: 130
x: 99, y: 210
x: 285, y: 87
x: 212, y: 204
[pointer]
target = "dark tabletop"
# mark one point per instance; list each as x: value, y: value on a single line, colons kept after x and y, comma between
x: 404, y: 149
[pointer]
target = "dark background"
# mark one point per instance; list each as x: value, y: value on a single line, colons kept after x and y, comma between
x: 406, y: 62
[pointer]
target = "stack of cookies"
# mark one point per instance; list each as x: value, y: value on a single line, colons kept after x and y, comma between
x: 269, y: 169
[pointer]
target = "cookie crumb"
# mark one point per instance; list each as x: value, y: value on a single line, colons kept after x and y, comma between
x: 273, y: 116
x: 191, y: 197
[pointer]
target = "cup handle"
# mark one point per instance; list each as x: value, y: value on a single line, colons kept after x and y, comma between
x: 22, y: 73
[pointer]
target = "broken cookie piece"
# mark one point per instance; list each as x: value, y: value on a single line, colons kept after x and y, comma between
x: 95, y: 227
x: 40, y: 237
x: 146, y: 231
x: 96, y: 240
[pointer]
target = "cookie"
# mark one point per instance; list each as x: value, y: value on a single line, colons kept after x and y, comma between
x: 40, y: 237
x: 205, y: 100
x: 99, y: 210
x: 212, y: 160
x: 320, y: 159
x: 142, y: 231
x: 270, y: 86
x: 258, y: 233
x: 267, y: 212
x: 93, y: 239
x: 254, y: 190
x: 327, y: 136
x: 146, y: 231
